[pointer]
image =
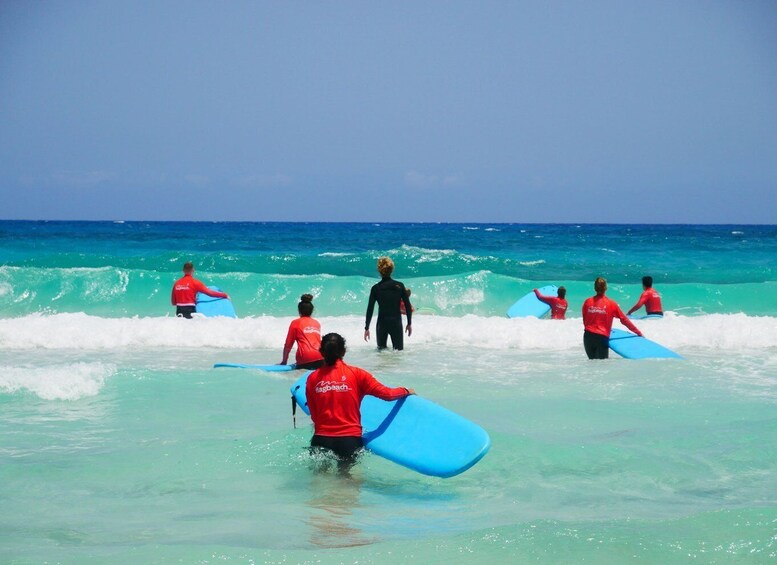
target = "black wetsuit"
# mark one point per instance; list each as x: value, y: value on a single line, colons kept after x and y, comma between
x: 346, y: 449
x: 596, y: 346
x: 185, y: 311
x: 388, y: 293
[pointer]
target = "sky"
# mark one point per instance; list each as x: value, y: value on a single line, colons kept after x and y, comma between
x: 483, y: 111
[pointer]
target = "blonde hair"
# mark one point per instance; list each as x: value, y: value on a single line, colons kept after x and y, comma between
x: 600, y: 285
x: 385, y: 266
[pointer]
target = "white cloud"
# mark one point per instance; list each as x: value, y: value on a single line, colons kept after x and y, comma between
x: 197, y: 180
x: 70, y: 179
x: 264, y: 181
x: 416, y: 179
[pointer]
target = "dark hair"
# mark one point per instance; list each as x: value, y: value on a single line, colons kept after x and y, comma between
x: 188, y: 267
x: 332, y: 348
x: 647, y: 281
x: 305, y: 306
x: 600, y: 285
x: 562, y: 292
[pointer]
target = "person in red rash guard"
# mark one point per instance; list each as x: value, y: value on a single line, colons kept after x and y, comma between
x: 306, y: 332
x: 402, y: 309
x: 558, y: 305
x: 185, y: 290
x: 334, y: 395
x: 650, y: 298
x: 598, y: 313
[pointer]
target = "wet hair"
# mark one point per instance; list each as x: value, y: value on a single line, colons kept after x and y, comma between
x: 305, y: 306
x: 647, y: 281
x: 408, y: 292
x: 188, y: 267
x: 332, y: 348
x: 600, y: 285
x: 385, y: 266
x: 562, y: 292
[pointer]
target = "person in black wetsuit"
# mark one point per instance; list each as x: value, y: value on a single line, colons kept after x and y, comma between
x: 388, y: 293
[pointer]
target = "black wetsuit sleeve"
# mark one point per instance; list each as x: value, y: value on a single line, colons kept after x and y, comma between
x: 370, y: 308
x: 408, y: 306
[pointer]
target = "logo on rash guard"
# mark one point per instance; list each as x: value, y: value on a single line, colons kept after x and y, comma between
x: 329, y: 386
x: 311, y: 330
x: 597, y: 310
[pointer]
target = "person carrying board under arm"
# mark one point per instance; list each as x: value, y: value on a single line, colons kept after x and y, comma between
x: 334, y: 394
x: 598, y: 313
x: 185, y: 289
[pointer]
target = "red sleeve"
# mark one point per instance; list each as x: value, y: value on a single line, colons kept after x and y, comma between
x: 200, y: 287
x: 626, y: 322
x: 172, y: 297
x: 542, y: 298
x: 289, y: 341
x: 370, y: 385
x: 642, y: 299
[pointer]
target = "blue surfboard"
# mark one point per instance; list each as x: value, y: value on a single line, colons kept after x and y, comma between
x: 416, y: 433
x: 530, y: 305
x: 211, y: 306
x: 646, y: 316
x: 632, y: 346
x: 268, y: 368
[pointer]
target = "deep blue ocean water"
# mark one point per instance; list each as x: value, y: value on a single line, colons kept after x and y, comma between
x: 119, y: 442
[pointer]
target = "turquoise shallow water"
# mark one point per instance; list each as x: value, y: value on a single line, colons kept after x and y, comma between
x: 119, y: 443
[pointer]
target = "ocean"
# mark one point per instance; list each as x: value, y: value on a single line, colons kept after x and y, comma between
x: 119, y: 443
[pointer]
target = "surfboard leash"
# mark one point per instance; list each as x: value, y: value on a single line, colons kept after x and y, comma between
x: 294, y: 408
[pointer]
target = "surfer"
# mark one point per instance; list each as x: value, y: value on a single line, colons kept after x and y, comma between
x: 402, y: 304
x: 650, y: 298
x: 598, y: 313
x: 306, y: 332
x: 388, y: 293
x: 334, y: 393
x: 558, y: 305
x: 185, y: 289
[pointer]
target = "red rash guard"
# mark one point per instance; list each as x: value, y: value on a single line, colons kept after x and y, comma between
x: 306, y: 332
x: 598, y: 313
x: 334, y: 394
x: 186, y: 288
x: 652, y: 301
x: 558, y: 306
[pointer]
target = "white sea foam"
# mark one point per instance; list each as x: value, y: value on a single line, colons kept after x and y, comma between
x: 717, y: 332
x: 532, y: 263
x: 57, y: 382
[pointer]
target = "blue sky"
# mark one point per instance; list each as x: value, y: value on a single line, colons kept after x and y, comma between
x: 573, y: 111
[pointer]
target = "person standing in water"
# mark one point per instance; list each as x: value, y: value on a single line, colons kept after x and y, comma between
x: 306, y: 333
x: 598, y: 313
x: 402, y: 303
x: 558, y: 304
x: 185, y: 289
x: 388, y: 293
x: 650, y: 298
x: 334, y: 394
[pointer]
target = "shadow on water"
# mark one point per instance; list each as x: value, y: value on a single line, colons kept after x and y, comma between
x: 335, y: 497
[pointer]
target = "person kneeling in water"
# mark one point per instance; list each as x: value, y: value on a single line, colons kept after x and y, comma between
x: 334, y: 395
x: 306, y: 333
